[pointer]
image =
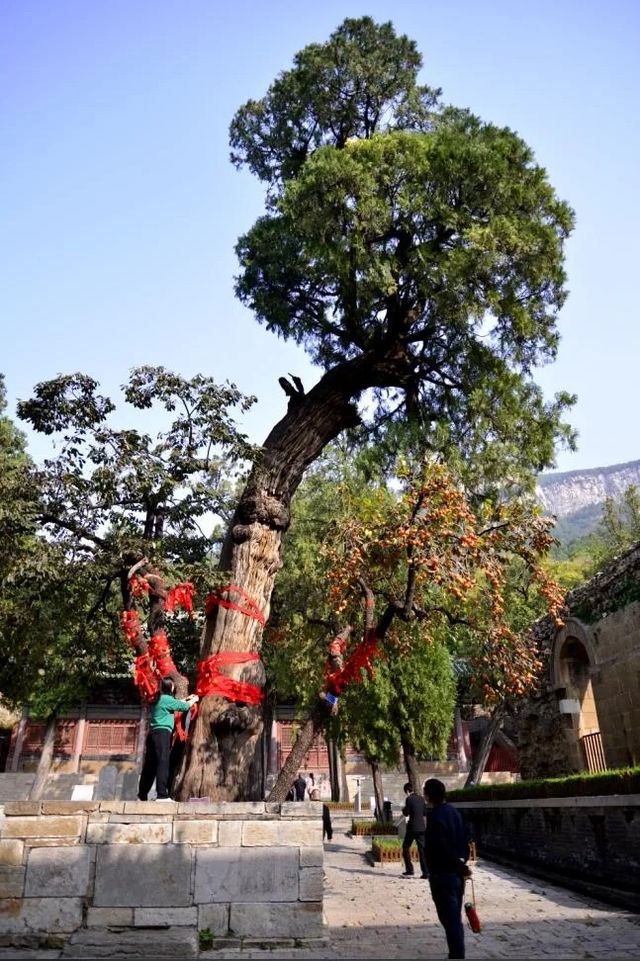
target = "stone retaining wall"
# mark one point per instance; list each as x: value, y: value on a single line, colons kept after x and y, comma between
x: 122, y: 878
x: 589, y: 843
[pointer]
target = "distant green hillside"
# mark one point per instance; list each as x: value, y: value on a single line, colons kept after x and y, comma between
x: 575, y: 526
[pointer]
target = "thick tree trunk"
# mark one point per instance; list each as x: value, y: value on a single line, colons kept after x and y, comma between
x: 46, y: 758
x: 479, y: 762
x: 250, y: 560
x: 219, y: 760
x: 292, y: 765
x: 378, y: 789
x: 410, y: 762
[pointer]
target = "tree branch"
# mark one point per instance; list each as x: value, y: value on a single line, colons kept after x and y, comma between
x: 71, y: 526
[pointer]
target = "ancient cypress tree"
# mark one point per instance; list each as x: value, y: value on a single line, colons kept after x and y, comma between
x: 416, y: 253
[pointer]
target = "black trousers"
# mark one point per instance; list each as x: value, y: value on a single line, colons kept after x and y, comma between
x: 156, y: 764
x: 326, y: 823
x: 409, y: 838
x: 446, y: 891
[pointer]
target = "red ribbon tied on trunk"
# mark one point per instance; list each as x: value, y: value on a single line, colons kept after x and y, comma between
x: 145, y: 677
x: 246, y: 606
x: 360, y: 659
x: 210, y: 680
x: 160, y: 653
x: 130, y: 624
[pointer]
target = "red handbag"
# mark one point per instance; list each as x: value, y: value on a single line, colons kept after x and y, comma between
x: 470, y: 910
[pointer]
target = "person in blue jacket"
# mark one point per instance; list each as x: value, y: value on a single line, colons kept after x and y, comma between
x: 158, y: 748
x: 447, y: 851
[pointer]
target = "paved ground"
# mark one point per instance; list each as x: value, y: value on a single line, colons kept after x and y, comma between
x: 375, y: 913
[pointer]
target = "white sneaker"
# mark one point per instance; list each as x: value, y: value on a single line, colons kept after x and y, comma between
x: 161, y: 799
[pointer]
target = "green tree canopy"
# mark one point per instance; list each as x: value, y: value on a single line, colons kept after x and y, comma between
x: 108, y: 498
x: 416, y: 252
x: 418, y: 245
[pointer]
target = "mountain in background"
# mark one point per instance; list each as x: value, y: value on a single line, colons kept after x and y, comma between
x: 576, y: 497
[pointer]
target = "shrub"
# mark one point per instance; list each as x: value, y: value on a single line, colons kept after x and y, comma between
x: 367, y: 828
x: 205, y: 939
x: 621, y: 781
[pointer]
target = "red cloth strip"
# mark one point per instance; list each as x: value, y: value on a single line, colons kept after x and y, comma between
x: 160, y: 653
x: 139, y: 586
x: 181, y: 595
x: 144, y: 677
x: 209, y: 679
x: 361, y: 658
x: 248, y: 607
x: 130, y: 623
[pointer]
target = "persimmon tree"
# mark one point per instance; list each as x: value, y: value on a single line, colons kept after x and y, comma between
x: 416, y: 253
x: 431, y: 571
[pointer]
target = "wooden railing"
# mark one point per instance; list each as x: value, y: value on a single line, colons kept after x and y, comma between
x: 593, y: 752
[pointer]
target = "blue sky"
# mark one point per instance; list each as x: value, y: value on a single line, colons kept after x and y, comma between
x: 121, y: 208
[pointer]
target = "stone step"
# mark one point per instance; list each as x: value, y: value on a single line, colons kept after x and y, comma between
x: 15, y: 785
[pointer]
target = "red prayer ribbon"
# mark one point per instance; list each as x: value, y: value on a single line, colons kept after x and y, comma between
x: 139, y: 585
x: 130, y: 623
x: 209, y: 679
x: 361, y: 658
x: 247, y: 606
x: 159, y: 651
x: 145, y: 677
x: 180, y: 596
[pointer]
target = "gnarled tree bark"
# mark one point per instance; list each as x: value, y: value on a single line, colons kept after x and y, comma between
x: 220, y: 760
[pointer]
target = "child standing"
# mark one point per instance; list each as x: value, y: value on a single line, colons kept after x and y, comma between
x: 158, y: 749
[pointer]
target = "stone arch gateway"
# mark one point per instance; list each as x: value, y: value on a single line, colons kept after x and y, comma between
x: 573, y: 668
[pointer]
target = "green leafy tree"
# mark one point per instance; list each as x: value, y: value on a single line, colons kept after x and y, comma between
x: 405, y: 705
x: 619, y: 528
x: 416, y: 253
x: 113, y: 500
x: 18, y: 494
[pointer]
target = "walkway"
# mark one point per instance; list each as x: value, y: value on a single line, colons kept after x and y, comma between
x: 376, y: 913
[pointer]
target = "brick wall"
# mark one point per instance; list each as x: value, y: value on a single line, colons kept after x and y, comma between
x: 586, y: 842
x: 149, y: 876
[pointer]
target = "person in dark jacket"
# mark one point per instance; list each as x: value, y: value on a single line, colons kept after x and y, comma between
x: 446, y: 853
x: 327, y: 829
x: 300, y: 787
x: 415, y: 810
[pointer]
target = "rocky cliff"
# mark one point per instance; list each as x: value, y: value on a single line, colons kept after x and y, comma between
x: 562, y: 494
x: 576, y: 497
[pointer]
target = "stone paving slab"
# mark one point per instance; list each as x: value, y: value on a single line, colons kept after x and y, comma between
x: 375, y: 913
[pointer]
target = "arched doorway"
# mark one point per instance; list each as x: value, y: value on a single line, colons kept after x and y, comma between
x: 574, y: 660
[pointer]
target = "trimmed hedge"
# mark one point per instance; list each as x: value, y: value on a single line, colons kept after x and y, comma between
x: 622, y: 781
x: 367, y: 828
x: 340, y: 805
